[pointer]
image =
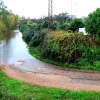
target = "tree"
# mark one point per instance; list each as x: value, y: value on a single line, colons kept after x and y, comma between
x: 12, y: 20
x: 8, y: 20
x: 62, y: 17
x: 92, y: 23
x: 76, y: 24
x: 71, y: 17
x: 2, y: 27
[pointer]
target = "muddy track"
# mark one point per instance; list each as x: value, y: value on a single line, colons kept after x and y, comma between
x: 44, y: 74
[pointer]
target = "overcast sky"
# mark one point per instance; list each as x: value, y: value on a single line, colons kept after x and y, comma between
x: 39, y: 8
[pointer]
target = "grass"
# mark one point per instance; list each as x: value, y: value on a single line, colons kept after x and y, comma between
x: 11, y: 89
x: 37, y: 54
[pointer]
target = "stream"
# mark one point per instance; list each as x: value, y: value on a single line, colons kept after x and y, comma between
x: 14, y: 52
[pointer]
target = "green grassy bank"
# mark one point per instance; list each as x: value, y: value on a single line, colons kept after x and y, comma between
x: 11, y: 89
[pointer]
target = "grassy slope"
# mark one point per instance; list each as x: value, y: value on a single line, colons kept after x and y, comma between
x: 11, y: 89
x: 35, y: 53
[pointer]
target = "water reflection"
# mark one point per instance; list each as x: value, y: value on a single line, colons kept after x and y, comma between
x: 3, y: 52
x: 14, y: 53
x: 13, y: 48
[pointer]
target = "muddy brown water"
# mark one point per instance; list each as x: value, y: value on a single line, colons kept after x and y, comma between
x: 14, y: 54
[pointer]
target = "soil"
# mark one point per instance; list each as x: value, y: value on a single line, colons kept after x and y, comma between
x: 78, y: 80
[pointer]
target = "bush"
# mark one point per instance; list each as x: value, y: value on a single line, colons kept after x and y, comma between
x: 37, y: 39
x: 65, y: 26
x: 71, y: 48
x: 54, y: 26
x: 23, y: 27
x: 45, y: 24
x: 32, y: 34
x: 27, y: 35
x: 61, y: 47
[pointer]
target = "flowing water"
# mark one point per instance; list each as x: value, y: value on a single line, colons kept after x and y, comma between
x: 14, y: 52
x: 13, y: 48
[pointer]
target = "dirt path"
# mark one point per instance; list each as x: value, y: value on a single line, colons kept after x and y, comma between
x: 73, y: 80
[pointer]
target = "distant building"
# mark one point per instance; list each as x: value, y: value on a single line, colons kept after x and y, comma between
x: 83, y: 31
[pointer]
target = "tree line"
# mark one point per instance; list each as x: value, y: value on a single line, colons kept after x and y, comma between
x: 8, y: 20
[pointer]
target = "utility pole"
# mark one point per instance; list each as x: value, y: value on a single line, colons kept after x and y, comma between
x: 50, y: 13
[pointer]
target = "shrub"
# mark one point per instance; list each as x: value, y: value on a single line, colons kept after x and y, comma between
x: 71, y: 48
x: 27, y: 35
x: 61, y: 47
x: 37, y: 39
x: 23, y: 27
x: 32, y: 34
x: 55, y: 26
x: 45, y: 24
x: 65, y: 26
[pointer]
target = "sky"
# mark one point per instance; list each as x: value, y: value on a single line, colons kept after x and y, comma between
x: 39, y: 8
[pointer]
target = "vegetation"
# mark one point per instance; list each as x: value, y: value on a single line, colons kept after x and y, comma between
x: 76, y: 24
x: 8, y: 20
x: 66, y: 48
x: 92, y: 23
x: 62, y: 17
x: 15, y: 90
x: 63, y: 48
